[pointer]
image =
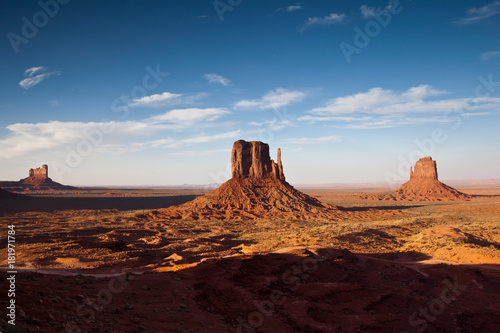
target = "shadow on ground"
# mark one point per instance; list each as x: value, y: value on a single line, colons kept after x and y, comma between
x: 302, y: 290
x: 367, y: 208
x: 50, y: 204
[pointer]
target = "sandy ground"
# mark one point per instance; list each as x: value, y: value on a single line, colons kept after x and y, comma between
x: 92, y: 264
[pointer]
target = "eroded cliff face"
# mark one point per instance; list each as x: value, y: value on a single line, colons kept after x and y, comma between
x: 425, y: 168
x: 252, y: 160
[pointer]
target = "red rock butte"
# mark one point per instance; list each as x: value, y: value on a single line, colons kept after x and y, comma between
x: 422, y: 186
x: 37, y: 176
x: 257, y: 189
x: 425, y: 168
x: 38, y: 179
x: 251, y: 159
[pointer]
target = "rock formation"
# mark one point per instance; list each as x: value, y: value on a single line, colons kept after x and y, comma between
x: 425, y: 168
x: 251, y: 159
x: 37, y: 176
x: 257, y: 189
x: 422, y: 186
x: 38, y: 179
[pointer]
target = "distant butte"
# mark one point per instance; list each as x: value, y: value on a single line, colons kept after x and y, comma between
x: 38, y: 179
x: 422, y: 186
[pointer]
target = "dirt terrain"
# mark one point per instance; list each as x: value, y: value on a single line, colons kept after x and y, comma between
x: 96, y: 266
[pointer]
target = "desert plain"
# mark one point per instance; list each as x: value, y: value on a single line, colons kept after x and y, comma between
x: 109, y: 260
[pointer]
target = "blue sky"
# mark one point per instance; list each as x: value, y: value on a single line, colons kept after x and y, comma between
x: 156, y: 92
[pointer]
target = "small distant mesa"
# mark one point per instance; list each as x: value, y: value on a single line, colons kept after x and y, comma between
x: 422, y: 186
x: 37, y: 176
x: 38, y: 179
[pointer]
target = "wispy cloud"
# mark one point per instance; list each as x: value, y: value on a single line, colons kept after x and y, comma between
x: 189, y: 116
x: 201, y: 153
x: 383, y: 101
x: 25, y: 138
x: 172, y: 143
x: 316, y: 21
x: 33, y: 78
x: 274, y: 99
x: 382, y: 108
x: 368, y: 12
x: 198, y: 139
x: 488, y: 55
x: 33, y: 70
x: 155, y: 100
x: 314, y: 119
x: 166, y: 98
x: 289, y: 9
x: 113, y: 136
x: 274, y: 125
x: 54, y: 103
x: 325, y: 139
x: 216, y: 78
x: 478, y: 14
x: 293, y: 8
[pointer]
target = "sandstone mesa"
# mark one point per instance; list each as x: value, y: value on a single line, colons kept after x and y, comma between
x: 38, y: 179
x: 422, y: 186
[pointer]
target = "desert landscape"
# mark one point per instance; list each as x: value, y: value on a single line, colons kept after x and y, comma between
x: 257, y: 255
x: 232, y: 166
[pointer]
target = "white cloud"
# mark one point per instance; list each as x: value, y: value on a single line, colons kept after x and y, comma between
x: 155, y: 100
x: 293, y: 8
x: 478, y: 14
x: 384, y: 101
x: 274, y: 99
x: 314, y: 119
x: 199, y: 139
x: 368, y: 12
x: 32, y: 79
x: 33, y: 70
x: 55, y: 137
x: 216, y: 78
x: 54, y: 103
x: 325, y: 139
x: 189, y: 116
x: 391, y: 121
x: 382, y: 108
x: 331, y: 19
x: 25, y: 138
x: 488, y: 55
x: 201, y: 153
x: 289, y: 9
x: 172, y: 143
x: 274, y: 125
